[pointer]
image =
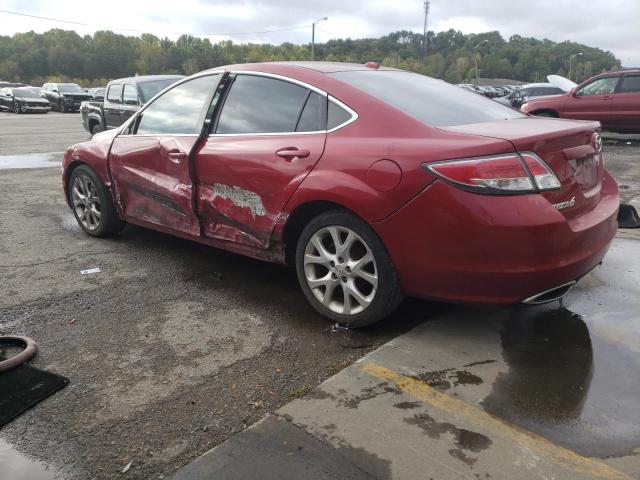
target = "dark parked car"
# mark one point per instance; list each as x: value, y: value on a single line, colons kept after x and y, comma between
x: 23, y: 99
x: 373, y: 182
x: 97, y: 94
x: 611, y: 98
x: 64, y: 97
x: 123, y: 98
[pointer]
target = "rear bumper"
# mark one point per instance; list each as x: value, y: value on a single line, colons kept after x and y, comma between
x: 458, y: 246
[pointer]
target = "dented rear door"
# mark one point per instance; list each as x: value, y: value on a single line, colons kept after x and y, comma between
x: 269, y: 135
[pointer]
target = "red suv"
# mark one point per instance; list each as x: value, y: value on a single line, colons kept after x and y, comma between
x: 612, y: 98
x: 372, y: 182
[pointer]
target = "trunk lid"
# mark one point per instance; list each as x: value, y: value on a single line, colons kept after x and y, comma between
x: 568, y: 147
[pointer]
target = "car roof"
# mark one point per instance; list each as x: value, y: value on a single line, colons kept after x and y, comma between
x: 320, y: 67
x: 146, y: 78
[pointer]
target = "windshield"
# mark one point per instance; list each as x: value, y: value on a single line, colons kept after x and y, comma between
x: 149, y: 89
x: 431, y: 101
x: 25, y: 93
x: 70, y: 88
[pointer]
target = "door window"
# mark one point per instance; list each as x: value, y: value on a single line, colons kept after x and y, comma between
x: 180, y: 110
x: 602, y: 86
x: 258, y: 104
x: 630, y: 83
x: 130, y: 95
x: 114, y: 93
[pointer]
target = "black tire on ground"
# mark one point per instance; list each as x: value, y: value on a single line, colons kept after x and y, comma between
x: 388, y: 295
x: 546, y: 113
x: 110, y: 223
x: 62, y: 108
x: 16, y: 108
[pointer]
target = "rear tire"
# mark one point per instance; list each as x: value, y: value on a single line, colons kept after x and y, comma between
x: 345, y: 271
x: 92, y: 204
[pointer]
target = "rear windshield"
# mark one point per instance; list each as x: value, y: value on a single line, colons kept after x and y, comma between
x: 431, y: 101
x: 70, y: 88
x: 149, y: 89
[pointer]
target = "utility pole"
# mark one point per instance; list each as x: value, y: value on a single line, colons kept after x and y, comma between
x: 475, y: 57
x: 571, y: 57
x: 313, y: 36
x: 427, y: 4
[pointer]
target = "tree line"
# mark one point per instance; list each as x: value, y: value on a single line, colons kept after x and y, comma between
x: 92, y: 60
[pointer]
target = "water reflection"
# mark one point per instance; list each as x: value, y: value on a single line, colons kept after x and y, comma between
x: 15, y: 466
x: 566, y: 385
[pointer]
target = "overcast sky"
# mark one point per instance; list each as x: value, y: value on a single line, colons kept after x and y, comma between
x: 612, y: 25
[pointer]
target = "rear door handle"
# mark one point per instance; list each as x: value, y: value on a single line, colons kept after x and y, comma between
x: 289, y: 153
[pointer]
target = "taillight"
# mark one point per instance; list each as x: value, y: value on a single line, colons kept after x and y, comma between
x: 501, y: 174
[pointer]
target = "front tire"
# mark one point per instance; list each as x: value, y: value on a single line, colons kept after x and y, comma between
x: 345, y: 271
x: 16, y: 108
x: 62, y: 108
x: 92, y: 205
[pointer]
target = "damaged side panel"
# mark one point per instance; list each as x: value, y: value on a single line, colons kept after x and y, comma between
x: 152, y: 181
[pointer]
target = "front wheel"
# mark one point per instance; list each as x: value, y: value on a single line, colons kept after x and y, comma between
x: 345, y: 271
x: 16, y: 107
x: 92, y: 205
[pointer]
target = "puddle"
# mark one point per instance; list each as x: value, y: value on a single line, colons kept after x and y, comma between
x: 574, y: 372
x: 15, y: 466
x: 32, y: 160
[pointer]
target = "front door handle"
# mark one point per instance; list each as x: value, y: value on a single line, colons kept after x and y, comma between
x: 176, y: 156
x: 289, y: 153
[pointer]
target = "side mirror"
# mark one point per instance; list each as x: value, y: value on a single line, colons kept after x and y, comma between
x: 574, y: 92
x: 55, y: 91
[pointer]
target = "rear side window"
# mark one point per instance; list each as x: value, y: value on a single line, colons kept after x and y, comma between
x: 114, y: 93
x: 336, y: 116
x: 431, y: 101
x: 261, y: 105
x: 130, y: 95
x: 631, y: 83
x: 180, y: 110
x: 314, y: 115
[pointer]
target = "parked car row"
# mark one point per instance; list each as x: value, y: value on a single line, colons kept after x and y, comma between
x: 64, y: 97
x: 490, y: 91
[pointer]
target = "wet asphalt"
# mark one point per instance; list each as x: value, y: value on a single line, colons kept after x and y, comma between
x: 174, y: 347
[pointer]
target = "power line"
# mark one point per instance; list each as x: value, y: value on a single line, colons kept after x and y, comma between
x: 20, y: 14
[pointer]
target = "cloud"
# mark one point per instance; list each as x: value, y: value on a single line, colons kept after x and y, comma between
x: 613, y: 25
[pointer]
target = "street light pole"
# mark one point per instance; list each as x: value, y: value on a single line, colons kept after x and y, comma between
x: 571, y: 57
x: 475, y: 57
x: 313, y: 36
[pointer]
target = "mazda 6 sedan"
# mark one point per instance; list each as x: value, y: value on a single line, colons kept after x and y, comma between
x: 372, y: 182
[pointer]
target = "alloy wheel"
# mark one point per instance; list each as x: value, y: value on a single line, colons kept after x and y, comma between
x: 340, y: 270
x: 86, y: 202
x: 16, y: 107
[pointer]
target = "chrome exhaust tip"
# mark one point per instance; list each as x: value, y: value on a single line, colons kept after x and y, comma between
x: 551, y: 295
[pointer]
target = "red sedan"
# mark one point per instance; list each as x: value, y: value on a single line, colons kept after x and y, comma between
x: 375, y: 183
x: 612, y: 98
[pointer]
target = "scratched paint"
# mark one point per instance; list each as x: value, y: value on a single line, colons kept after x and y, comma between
x: 240, y: 198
